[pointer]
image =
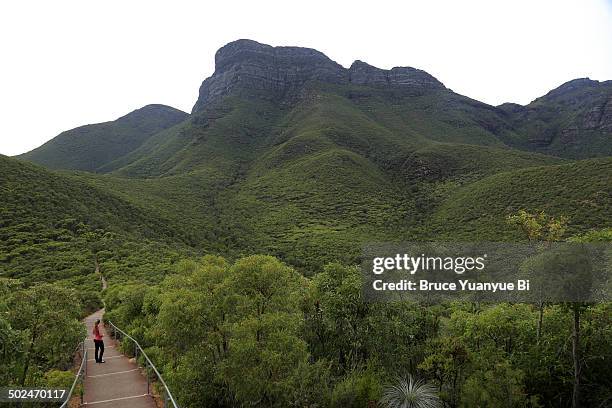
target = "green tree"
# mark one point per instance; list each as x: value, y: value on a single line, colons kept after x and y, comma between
x: 236, y: 328
x: 12, y: 341
x: 360, y: 388
x: 265, y: 322
x: 338, y: 321
x: 539, y: 227
x: 580, y: 268
x: 497, y: 386
x: 447, y: 362
x: 48, y: 315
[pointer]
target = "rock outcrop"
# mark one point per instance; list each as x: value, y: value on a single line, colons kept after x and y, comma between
x: 361, y: 73
x: 252, y: 66
x: 599, y: 116
x: 592, y: 101
x: 248, y: 66
x: 573, y: 120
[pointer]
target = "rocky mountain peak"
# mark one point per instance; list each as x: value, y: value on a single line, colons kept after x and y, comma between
x: 362, y: 73
x: 570, y: 87
x: 409, y: 76
x: 249, y: 67
x: 244, y: 51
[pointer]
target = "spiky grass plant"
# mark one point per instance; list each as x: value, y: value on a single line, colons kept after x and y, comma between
x: 411, y: 393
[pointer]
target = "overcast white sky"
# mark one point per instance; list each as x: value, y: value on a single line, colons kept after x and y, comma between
x: 66, y: 63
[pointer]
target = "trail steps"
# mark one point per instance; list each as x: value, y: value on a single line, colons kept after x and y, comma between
x: 118, y: 383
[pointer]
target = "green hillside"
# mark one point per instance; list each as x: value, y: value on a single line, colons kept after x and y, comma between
x: 94, y: 147
x: 310, y: 183
x: 579, y: 190
x: 56, y: 227
x: 386, y: 125
x: 308, y: 166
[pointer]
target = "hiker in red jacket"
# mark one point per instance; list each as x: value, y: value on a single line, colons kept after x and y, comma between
x: 98, y: 342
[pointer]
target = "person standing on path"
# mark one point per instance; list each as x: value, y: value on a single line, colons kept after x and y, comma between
x: 99, y: 343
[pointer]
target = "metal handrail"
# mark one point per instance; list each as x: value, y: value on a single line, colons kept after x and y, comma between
x: 80, y: 375
x: 168, y: 395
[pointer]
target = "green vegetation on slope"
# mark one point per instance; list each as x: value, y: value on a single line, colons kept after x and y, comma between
x: 310, y: 182
x: 311, y: 179
x: 580, y: 190
x: 55, y: 227
x: 94, y: 147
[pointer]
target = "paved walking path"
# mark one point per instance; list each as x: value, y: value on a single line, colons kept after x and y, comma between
x: 118, y: 383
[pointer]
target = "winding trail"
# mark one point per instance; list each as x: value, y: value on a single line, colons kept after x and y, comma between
x: 118, y: 383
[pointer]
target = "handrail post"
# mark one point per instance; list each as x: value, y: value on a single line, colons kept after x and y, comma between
x: 147, y: 374
x: 82, y: 392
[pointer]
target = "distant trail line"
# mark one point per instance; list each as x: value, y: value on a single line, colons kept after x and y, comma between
x: 102, y: 278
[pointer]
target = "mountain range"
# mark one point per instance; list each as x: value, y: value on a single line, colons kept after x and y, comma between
x: 287, y: 152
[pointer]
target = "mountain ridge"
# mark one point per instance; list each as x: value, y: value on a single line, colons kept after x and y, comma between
x: 573, y: 120
x: 90, y: 147
x: 250, y: 64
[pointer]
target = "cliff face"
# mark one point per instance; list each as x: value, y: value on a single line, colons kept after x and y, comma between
x: 599, y: 116
x: 249, y: 65
x: 361, y: 73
